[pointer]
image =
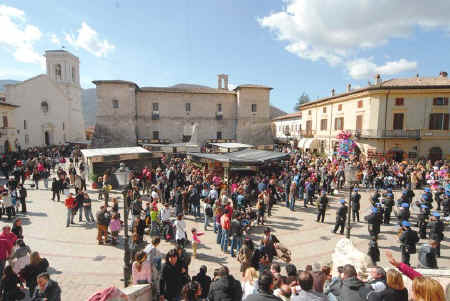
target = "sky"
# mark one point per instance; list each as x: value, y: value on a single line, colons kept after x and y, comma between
x: 294, y: 46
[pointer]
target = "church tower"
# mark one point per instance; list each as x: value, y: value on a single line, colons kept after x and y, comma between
x: 63, y: 68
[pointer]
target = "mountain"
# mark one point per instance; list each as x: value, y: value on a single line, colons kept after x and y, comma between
x: 89, y: 101
x: 275, y: 112
x: 7, y: 82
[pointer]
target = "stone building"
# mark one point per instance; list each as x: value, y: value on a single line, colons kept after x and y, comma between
x: 402, y: 118
x: 50, y: 109
x: 127, y: 113
x: 8, y: 133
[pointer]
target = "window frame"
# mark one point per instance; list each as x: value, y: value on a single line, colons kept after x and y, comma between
x: 324, y: 109
x: 337, y: 121
x: 155, y: 105
x: 394, y: 121
x: 219, y: 108
x: 155, y: 137
x: 360, y: 104
x: 115, y: 103
x: 441, y: 98
x: 254, y: 108
x: 444, y: 122
x: 323, y: 124
x: 219, y: 135
x: 187, y: 107
x: 5, y: 121
x: 399, y: 101
x: 339, y: 107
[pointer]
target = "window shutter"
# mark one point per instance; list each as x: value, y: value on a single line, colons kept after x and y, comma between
x: 446, y: 122
x: 445, y: 101
x: 435, y: 100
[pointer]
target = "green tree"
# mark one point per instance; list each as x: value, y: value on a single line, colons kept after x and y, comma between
x: 304, y: 98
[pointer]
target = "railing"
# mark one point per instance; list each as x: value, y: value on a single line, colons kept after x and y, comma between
x: 307, y: 133
x: 434, y: 133
x: 7, y: 131
x: 380, y: 133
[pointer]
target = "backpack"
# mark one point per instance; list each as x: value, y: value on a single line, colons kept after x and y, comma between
x: 209, y: 211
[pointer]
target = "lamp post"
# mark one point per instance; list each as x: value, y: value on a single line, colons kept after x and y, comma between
x: 351, y: 178
x: 122, y: 174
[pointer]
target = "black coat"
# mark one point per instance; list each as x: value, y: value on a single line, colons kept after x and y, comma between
x: 436, y: 230
x: 205, y: 283
x: 171, y: 281
x: 30, y: 272
x: 51, y: 293
x: 341, y: 214
x: 262, y: 297
x: 225, y: 288
x: 389, y: 294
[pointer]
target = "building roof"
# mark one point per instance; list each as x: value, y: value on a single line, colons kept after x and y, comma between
x: 6, y: 104
x: 253, y: 86
x: 113, y: 81
x: 97, y: 152
x: 439, y: 82
x: 187, y: 88
x: 289, y: 116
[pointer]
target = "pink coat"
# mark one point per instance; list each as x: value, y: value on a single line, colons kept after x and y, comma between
x: 144, y: 274
x: 114, y: 225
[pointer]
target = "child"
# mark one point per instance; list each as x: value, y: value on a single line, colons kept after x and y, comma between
x: 374, y: 251
x: 114, y: 226
x: 195, y: 241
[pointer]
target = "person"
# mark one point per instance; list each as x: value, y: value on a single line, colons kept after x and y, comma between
x: 225, y: 224
x: 171, y: 278
x: 351, y: 288
x: 250, y: 282
x: 141, y: 269
x: 323, y: 204
x: 408, y: 240
x: 340, y: 217
x: 245, y: 255
x: 427, y: 255
x: 37, y: 266
x: 427, y: 289
x: 70, y: 205
x: 114, y: 226
x: 388, y: 203
x: 225, y: 288
x: 422, y: 220
x: 9, y: 286
x: 319, y: 277
x: 87, y: 206
x: 270, y: 243
x: 307, y: 293
x: 17, y: 228
x: 21, y: 256
x: 395, y: 289
x: 437, y: 231
x: 22, y: 197
x: 208, y: 213
x: 102, y: 225
x: 236, y: 234
x: 356, y: 199
x: 192, y: 291
x: 266, y: 286
x: 204, y: 280
x: 374, y: 251
x: 373, y: 223
x: 377, y: 280
x: 180, y: 232
x: 195, y: 241
x: 47, y: 289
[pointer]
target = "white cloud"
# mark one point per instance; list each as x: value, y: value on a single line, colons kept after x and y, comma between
x: 336, y: 30
x: 18, y: 36
x: 231, y: 87
x: 55, y: 40
x: 365, y: 68
x: 88, y: 39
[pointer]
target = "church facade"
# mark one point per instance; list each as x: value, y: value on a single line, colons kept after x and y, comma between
x: 49, y: 108
x: 128, y: 113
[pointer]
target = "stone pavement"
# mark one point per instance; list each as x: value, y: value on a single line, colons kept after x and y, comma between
x: 82, y: 267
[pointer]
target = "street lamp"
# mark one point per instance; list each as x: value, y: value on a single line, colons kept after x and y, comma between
x: 122, y: 174
x: 351, y: 178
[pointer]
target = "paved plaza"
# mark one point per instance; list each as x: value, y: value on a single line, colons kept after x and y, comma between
x: 82, y: 267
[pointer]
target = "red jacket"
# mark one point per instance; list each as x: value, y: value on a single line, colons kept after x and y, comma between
x: 70, y: 202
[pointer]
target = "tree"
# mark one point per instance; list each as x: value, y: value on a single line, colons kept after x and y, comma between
x: 304, y: 98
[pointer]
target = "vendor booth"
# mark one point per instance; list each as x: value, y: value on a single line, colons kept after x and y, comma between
x: 228, y: 147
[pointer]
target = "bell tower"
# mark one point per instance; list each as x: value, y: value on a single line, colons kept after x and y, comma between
x: 63, y: 67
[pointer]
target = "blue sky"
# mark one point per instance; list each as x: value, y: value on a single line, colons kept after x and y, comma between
x: 294, y: 46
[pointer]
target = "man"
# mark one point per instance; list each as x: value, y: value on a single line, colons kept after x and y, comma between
x: 265, y: 292
x: 275, y: 269
x: 373, y: 223
x: 323, y: 204
x: 79, y: 201
x: 408, y: 240
x: 377, y: 279
x: 403, y: 213
x: 56, y: 189
x: 422, y: 220
x: 5, y: 251
x: 70, y: 205
x: 171, y: 278
x: 225, y: 288
x: 225, y: 224
x: 47, y: 289
x: 341, y: 215
x: 427, y: 255
x: 236, y: 234
x: 352, y: 288
x: 438, y: 196
x: 437, y: 231
x: 22, y: 198
x: 87, y: 207
x: 307, y: 294
x: 102, y: 225
x: 388, y: 203
x: 204, y: 280
x: 356, y: 200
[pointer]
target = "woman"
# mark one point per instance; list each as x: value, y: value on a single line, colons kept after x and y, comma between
x: 171, y: 277
x: 427, y: 289
x: 395, y: 290
x: 141, y: 269
x: 21, y: 256
x: 245, y: 255
x: 191, y: 291
x: 30, y: 271
x: 250, y: 282
x: 180, y: 227
x: 9, y: 288
x: 17, y: 228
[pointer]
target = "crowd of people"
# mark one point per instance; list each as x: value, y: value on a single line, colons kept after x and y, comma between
x: 159, y: 199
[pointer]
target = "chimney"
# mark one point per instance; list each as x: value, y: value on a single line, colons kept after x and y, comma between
x: 349, y: 87
x: 219, y: 81
x: 443, y: 74
x: 222, y: 81
x: 378, y: 79
x: 225, y: 81
x: 333, y: 92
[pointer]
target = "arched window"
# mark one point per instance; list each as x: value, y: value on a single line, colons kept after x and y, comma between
x: 44, y: 106
x: 115, y: 104
x: 58, y: 72
x: 73, y: 74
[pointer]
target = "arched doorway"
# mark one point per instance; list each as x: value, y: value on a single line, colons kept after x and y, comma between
x: 435, y: 154
x: 47, y: 138
x: 397, y: 154
x: 6, y: 147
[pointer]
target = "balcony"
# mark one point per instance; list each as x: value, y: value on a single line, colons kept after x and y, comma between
x: 380, y: 133
x: 307, y: 133
x: 434, y: 133
x: 4, y: 132
x: 219, y: 116
x: 155, y: 115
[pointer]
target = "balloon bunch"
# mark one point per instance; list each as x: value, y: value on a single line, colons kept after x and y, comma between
x: 346, y: 144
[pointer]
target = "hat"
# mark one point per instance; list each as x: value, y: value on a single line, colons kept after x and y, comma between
x: 374, y: 210
x: 436, y: 214
x: 405, y: 205
x: 342, y: 201
x: 404, y: 192
x: 356, y: 189
x: 423, y: 206
x: 389, y: 194
x: 389, y: 189
x: 427, y: 189
x: 378, y: 204
x: 406, y: 224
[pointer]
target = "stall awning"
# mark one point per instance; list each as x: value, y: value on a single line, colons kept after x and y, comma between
x: 95, y: 152
x: 232, y: 145
x: 305, y: 143
x: 245, y: 157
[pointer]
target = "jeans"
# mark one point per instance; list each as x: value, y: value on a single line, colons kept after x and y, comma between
x: 224, y: 240
x: 206, y: 223
x: 287, y: 199
x: 292, y: 204
x: 46, y: 183
x: 219, y: 234
x: 196, y: 210
x: 69, y: 217
x: 88, y: 214
x: 236, y: 243
x: 80, y: 209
